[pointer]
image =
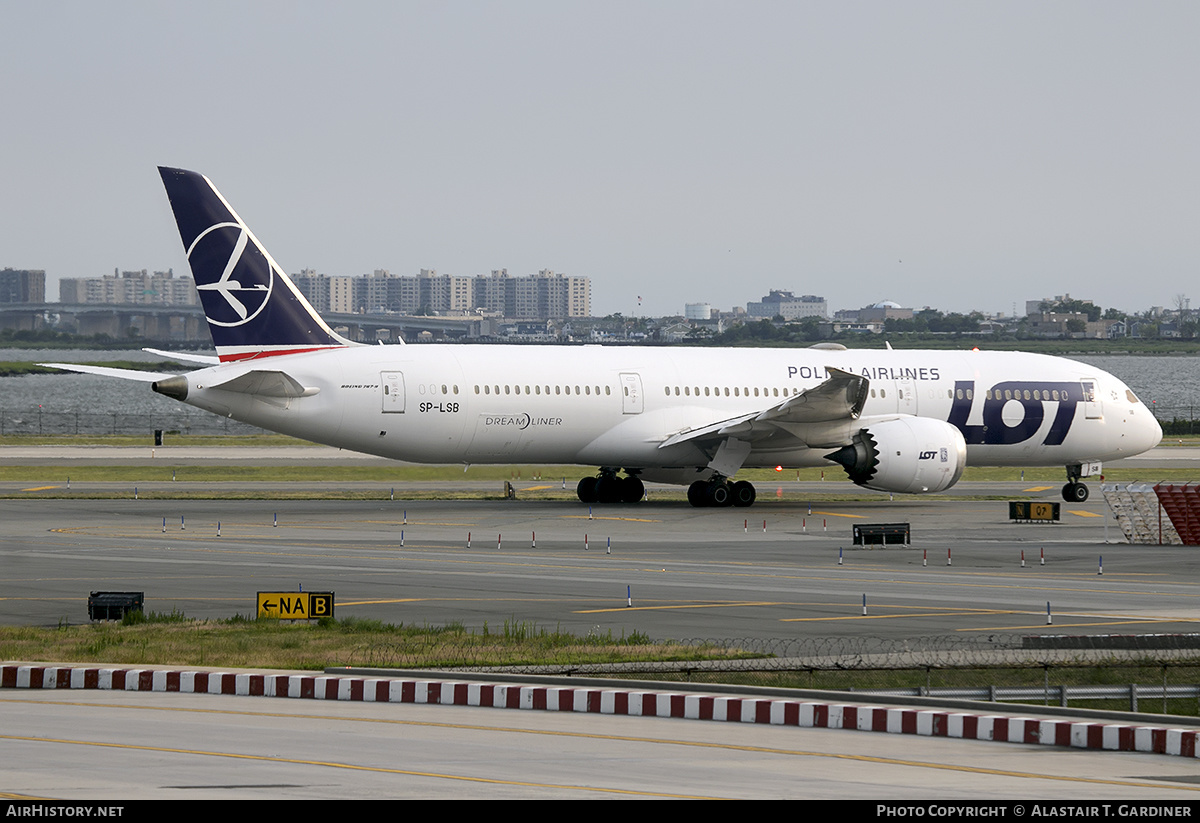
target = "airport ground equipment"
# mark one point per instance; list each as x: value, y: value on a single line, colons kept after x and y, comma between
x: 866, y: 534
x: 114, y: 605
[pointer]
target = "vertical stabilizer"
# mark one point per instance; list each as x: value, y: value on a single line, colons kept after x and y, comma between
x: 253, y: 309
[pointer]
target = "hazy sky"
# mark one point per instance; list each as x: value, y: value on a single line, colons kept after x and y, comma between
x: 953, y: 154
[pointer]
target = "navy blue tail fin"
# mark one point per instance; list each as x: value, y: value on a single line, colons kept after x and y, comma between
x: 253, y: 309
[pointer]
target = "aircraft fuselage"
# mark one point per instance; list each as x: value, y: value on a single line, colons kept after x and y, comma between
x: 614, y: 406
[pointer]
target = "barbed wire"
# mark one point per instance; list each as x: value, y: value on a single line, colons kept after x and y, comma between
x: 790, y: 654
x: 33, y: 421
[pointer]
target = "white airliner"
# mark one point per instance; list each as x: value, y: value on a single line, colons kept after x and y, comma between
x: 897, y: 421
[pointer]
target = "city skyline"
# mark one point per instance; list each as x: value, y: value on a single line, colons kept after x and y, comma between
x: 498, y: 293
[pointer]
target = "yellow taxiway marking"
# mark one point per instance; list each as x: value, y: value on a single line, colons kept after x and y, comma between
x: 455, y: 600
x: 1084, y: 514
x: 687, y: 606
x: 628, y: 519
x: 663, y: 741
x: 381, y: 602
x: 947, y: 613
x: 394, y: 522
x: 839, y: 514
x: 40, y: 488
x: 1039, y: 488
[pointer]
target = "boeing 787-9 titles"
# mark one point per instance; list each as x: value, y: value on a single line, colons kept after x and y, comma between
x: 897, y: 421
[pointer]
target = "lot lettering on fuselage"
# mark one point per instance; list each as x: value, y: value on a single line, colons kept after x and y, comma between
x: 1033, y: 396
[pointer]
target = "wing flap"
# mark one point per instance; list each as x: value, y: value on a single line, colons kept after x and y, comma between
x: 841, y: 397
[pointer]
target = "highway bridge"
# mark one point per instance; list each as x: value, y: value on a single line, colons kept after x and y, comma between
x: 185, y: 324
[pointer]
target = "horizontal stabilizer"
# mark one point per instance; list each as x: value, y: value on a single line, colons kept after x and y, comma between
x: 106, y: 371
x: 266, y: 384
x: 186, y: 357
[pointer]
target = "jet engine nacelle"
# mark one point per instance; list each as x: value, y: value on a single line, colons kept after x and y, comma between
x: 904, y: 454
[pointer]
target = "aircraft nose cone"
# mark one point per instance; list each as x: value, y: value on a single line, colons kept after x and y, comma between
x: 1140, y: 433
x: 1152, y: 431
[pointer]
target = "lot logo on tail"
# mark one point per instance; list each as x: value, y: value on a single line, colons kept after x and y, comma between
x: 246, y: 278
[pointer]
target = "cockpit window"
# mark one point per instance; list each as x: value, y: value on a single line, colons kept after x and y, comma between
x: 1131, y: 397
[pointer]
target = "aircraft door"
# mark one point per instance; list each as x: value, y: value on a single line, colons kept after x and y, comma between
x: 393, y: 391
x: 631, y: 393
x: 1092, y: 408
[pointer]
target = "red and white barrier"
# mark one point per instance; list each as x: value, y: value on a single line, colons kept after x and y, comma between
x: 780, y: 712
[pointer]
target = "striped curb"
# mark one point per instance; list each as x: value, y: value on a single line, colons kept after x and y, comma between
x: 808, y: 714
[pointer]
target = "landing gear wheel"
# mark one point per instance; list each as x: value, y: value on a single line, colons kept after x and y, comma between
x: 609, y: 488
x: 719, y: 494
x: 632, y: 489
x: 1075, y: 492
x: 698, y: 494
x: 586, y: 490
x: 743, y: 493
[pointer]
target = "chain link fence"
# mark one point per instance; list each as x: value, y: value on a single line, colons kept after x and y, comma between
x: 1136, y: 673
x: 184, y: 421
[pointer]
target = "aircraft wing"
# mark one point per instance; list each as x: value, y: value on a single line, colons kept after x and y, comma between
x: 264, y: 383
x: 107, y: 371
x: 841, y: 397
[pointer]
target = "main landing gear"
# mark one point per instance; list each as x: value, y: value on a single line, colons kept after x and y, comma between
x: 1074, y: 491
x: 720, y: 492
x: 609, y: 488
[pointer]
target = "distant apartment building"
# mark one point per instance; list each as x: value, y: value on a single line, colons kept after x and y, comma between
x: 883, y: 311
x: 489, y: 292
x: 22, y: 286
x: 558, y: 295
x: 1035, y: 307
x: 546, y: 295
x: 341, y: 295
x: 786, y: 305
x: 130, y: 288
x: 314, y: 287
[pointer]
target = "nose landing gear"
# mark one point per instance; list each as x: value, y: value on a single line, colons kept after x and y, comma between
x: 1074, y: 491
